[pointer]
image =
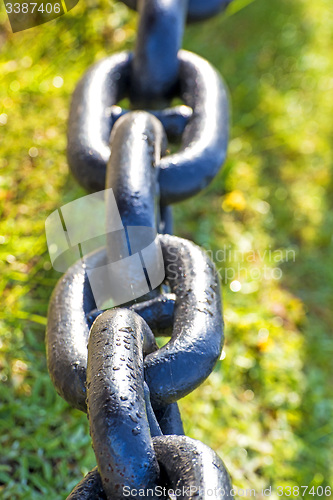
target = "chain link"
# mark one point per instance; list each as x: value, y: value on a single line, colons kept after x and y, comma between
x: 107, y: 362
x: 198, y: 10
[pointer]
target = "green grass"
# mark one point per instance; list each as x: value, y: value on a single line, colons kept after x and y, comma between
x: 268, y: 407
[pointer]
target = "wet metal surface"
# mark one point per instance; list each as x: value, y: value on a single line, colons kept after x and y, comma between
x: 107, y: 362
x: 204, y: 141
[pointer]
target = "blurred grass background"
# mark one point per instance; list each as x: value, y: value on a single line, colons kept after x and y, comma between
x: 267, y: 409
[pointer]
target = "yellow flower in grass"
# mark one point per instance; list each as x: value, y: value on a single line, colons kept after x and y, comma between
x: 234, y: 201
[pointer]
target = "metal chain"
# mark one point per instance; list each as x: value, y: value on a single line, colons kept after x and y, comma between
x: 107, y: 363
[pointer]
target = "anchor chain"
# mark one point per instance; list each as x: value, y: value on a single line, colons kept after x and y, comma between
x: 106, y: 362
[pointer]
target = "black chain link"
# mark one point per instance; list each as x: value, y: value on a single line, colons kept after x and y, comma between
x: 107, y: 363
